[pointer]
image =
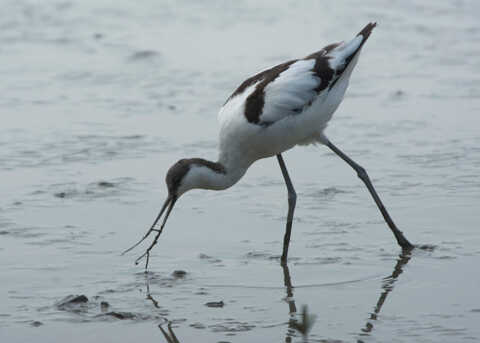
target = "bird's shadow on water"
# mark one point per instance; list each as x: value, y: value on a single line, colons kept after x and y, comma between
x: 304, y: 324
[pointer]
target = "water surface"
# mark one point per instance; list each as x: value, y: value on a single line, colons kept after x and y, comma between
x: 99, y: 99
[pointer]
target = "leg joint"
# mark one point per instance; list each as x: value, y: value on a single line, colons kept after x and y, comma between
x: 292, y: 197
x: 361, y: 172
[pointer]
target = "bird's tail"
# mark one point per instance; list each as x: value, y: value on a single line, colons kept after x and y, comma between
x: 365, y: 33
x: 344, y: 53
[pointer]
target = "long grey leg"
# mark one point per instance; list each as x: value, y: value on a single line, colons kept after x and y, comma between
x: 292, y: 199
x: 362, y: 174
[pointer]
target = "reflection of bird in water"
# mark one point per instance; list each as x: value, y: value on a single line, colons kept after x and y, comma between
x: 292, y: 307
x: 306, y: 323
x: 170, y: 335
x: 387, y: 287
x: 271, y: 112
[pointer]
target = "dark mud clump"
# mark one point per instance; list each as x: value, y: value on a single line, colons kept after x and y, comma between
x: 106, y: 184
x: 179, y: 274
x: 215, y: 304
x: 61, y: 195
x: 73, y: 303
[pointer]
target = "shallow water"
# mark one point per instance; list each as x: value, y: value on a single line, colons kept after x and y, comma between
x: 99, y: 99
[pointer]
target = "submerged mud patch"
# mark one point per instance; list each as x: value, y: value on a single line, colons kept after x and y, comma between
x: 93, y: 190
x: 209, y: 259
x: 232, y: 326
x: 97, y: 308
x: 122, y: 315
x: 144, y: 55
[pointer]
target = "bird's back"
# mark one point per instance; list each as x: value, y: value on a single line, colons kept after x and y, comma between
x: 290, y: 103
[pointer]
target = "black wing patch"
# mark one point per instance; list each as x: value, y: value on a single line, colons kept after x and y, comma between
x: 255, y: 101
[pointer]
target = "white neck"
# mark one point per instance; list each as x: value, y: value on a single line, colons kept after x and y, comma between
x: 214, y: 176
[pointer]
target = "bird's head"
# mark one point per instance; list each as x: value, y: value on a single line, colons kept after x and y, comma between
x: 191, y: 173
x: 187, y: 174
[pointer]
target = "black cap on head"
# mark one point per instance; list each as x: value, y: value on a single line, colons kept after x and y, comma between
x: 176, y: 174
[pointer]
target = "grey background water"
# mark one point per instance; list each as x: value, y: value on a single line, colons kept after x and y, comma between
x: 99, y: 98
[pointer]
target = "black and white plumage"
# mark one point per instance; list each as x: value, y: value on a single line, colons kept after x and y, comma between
x: 287, y: 105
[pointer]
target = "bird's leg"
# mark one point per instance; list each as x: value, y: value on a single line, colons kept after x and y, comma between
x: 292, y: 199
x: 362, y: 174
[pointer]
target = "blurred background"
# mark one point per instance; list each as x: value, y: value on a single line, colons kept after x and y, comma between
x: 99, y: 98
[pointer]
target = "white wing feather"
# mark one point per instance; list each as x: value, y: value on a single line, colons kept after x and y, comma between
x: 290, y: 92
